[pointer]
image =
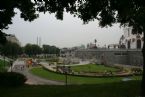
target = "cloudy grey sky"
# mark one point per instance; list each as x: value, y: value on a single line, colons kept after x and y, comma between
x: 67, y: 33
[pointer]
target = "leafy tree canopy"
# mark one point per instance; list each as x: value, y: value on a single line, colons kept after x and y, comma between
x: 32, y: 49
x: 27, y: 8
x: 126, y: 12
x: 107, y: 12
x: 47, y: 49
x: 11, y: 49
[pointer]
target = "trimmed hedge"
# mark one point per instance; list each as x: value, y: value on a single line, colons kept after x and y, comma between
x: 12, y: 79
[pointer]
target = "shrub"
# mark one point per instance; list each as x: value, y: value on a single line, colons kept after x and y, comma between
x: 12, y: 79
x: 137, y: 71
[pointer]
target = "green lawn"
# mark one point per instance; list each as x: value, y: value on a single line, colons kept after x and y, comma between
x: 3, y: 65
x: 75, y: 79
x: 93, y: 68
x: 121, y: 89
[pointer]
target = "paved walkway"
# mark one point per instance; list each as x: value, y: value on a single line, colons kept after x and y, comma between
x: 20, y: 66
x: 35, y: 80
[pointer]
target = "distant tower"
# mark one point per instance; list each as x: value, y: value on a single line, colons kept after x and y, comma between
x: 37, y: 41
x: 40, y: 41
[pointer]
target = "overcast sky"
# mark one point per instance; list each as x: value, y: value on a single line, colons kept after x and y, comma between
x: 67, y: 33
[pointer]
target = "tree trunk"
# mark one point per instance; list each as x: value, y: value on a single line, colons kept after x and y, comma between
x: 143, y: 76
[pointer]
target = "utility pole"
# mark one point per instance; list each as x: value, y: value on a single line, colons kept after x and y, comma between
x: 11, y: 64
x: 66, y: 78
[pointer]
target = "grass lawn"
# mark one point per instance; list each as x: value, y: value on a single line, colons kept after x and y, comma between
x: 93, y: 68
x: 121, y: 89
x: 76, y: 79
x: 3, y: 65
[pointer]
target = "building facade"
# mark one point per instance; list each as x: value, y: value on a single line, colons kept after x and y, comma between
x: 12, y: 38
x: 131, y: 41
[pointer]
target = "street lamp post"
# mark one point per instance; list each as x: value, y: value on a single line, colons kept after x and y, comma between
x: 65, y: 71
x: 4, y: 63
x: 11, y: 64
x: 66, y: 78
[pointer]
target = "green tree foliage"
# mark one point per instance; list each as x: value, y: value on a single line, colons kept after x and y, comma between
x: 27, y: 8
x: 12, y: 79
x: 107, y: 12
x: 32, y: 49
x: 2, y: 38
x: 126, y: 12
x: 7, y: 11
x: 11, y: 49
x: 47, y: 49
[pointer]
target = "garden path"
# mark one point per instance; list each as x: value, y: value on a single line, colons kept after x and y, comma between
x: 20, y: 66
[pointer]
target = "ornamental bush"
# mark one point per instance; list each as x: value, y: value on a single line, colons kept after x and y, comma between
x: 12, y: 79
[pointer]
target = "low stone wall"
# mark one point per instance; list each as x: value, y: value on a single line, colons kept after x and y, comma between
x: 112, y: 56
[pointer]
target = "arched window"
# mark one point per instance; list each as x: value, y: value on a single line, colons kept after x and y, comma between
x: 138, y: 44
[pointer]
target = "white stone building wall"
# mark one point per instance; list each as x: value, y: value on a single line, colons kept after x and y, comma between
x: 13, y: 39
x: 132, y: 38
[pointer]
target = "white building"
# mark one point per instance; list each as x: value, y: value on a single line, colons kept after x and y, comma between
x: 114, y: 46
x: 91, y: 45
x: 13, y: 39
x: 131, y: 41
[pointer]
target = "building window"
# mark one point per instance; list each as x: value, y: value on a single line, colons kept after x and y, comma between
x: 133, y: 39
x: 128, y: 44
x: 138, y: 44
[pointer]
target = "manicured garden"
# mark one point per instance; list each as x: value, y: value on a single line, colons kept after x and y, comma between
x: 39, y: 71
x: 120, y: 89
x: 79, y: 86
x: 93, y: 68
